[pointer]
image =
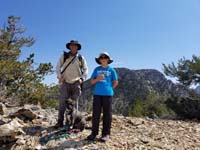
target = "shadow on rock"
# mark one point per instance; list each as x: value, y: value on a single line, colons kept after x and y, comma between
x: 73, y: 144
x: 34, y: 130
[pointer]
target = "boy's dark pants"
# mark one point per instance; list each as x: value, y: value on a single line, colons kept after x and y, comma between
x: 69, y: 96
x: 100, y: 102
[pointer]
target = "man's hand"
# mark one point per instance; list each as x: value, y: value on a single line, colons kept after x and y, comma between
x: 61, y: 79
x: 80, y: 80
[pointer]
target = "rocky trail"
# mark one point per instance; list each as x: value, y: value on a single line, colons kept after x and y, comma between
x: 21, y: 128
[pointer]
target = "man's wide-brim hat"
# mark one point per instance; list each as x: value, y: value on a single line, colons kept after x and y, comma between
x: 73, y: 42
x: 103, y: 54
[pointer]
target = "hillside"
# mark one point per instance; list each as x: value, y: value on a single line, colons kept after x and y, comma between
x: 135, y: 84
x: 127, y: 133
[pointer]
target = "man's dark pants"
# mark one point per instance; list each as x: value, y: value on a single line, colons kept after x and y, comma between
x: 100, y: 102
x: 69, y: 97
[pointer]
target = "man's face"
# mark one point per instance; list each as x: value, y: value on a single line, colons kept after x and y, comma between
x: 73, y: 48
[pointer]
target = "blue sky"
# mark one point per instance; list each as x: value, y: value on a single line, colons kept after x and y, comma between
x: 138, y: 34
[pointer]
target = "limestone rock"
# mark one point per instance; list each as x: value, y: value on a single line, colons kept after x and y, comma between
x: 3, y: 109
x: 32, y: 107
x: 11, y: 128
x: 24, y: 114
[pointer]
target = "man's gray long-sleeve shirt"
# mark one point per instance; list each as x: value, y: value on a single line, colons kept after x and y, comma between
x: 73, y: 71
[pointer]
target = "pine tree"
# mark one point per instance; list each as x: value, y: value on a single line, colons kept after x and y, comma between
x: 187, y: 71
x: 20, y: 78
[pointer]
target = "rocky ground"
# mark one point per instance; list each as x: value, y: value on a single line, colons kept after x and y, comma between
x: 22, y: 132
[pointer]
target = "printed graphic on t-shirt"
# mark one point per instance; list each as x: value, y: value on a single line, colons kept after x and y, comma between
x: 106, y: 74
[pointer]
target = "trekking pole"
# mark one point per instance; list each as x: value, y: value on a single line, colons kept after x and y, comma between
x: 77, y: 105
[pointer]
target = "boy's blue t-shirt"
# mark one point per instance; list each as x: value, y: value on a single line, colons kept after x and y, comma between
x: 104, y: 87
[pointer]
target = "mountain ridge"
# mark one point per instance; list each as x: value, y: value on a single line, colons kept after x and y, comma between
x: 133, y: 85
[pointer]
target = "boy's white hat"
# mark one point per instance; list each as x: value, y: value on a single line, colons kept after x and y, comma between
x: 103, y: 54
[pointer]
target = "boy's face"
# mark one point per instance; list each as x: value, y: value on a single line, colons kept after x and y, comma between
x: 104, y: 60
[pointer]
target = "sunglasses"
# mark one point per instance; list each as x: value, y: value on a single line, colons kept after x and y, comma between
x: 104, y: 57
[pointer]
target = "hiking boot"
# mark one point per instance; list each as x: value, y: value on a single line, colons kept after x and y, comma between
x: 91, y: 137
x: 58, y: 125
x: 104, y: 138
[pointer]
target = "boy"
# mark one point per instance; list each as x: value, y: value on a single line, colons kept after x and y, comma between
x: 104, y: 79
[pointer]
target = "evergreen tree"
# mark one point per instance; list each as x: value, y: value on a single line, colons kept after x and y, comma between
x: 21, y: 79
x: 187, y: 71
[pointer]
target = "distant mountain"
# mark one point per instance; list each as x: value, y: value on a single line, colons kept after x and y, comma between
x: 135, y: 84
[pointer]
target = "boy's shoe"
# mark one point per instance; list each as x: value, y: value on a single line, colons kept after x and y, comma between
x: 104, y: 138
x: 91, y: 137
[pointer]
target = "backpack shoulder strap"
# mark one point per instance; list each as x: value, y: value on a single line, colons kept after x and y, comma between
x: 68, y: 65
x: 66, y: 56
x: 80, y: 58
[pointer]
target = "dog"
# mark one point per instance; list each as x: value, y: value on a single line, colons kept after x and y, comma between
x: 76, y: 120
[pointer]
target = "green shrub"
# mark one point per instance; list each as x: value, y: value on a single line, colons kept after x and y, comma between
x: 137, y: 109
x: 153, y: 106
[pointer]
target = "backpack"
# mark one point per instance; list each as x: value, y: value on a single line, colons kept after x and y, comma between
x: 80, y: 58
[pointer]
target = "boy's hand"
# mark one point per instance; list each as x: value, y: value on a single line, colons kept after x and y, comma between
x: 99, y: 78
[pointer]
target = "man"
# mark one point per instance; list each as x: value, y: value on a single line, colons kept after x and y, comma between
x: 71, y: 71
